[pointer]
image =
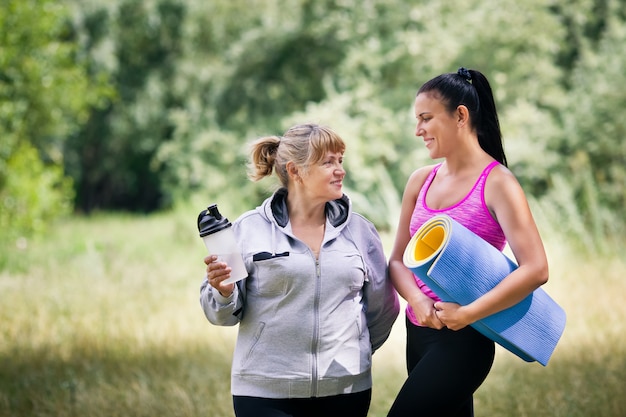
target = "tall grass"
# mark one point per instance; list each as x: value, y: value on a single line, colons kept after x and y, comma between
x: 102, y: 319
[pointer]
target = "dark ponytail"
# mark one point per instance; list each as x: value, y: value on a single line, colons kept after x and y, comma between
x: 471, y: 89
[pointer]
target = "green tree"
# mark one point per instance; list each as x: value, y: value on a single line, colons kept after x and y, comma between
x: 592, y: 149
x: 44, y: 96
x: 111, y: 158
x: 356, y: 66
x: 197, y: 80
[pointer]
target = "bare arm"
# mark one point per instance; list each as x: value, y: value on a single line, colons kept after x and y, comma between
x: 401, y: 276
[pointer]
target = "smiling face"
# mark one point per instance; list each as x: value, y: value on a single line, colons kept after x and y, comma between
x: 324, y: 179
x: 435, y: 124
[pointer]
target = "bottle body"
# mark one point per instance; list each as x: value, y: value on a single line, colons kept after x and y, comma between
x: 223, y: 245
x: 218, y: 236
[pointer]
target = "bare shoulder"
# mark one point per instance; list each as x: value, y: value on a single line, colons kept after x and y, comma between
x: 502, y: 187
x: 502, y: 178
x: 418, y: 177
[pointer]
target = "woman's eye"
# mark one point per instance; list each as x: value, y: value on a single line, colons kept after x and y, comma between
x: 332, y: 161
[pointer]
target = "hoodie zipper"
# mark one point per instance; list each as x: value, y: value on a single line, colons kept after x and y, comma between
x: 316, y: 331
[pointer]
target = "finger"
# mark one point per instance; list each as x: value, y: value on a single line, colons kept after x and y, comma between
x: 219, y: 272
x: 217, y: 266
x: 440, y: 317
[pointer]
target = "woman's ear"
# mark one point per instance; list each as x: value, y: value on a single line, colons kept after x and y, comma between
x: 292, y: 171
x: 462, y: 114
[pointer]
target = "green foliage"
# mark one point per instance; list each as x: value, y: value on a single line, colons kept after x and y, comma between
x: 138, y: 44
x: 32, y: 196
x: 44, y: 95
x: 591, y: 145
x: 192, y: 82
x: 206, y: 164
x: 383, y: 52
x: 277, y: 71
x: 42, y: 87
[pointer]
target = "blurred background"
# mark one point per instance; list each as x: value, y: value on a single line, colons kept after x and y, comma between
x: 121, y: 119
x: 131, y: 105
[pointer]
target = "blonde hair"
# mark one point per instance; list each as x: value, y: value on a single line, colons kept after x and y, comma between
x: 304, y: 145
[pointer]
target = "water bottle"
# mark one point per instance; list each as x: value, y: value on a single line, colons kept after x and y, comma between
x: 218, y: 236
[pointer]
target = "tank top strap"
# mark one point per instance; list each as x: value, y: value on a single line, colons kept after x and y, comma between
x: 487, y: 170
x: 422, y: 194
x: 478, y: 190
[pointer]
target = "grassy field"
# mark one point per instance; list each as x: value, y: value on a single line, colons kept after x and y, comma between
x: 102, y: 319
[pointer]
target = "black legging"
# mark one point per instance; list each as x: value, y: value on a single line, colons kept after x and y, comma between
x: 445, y: 368
x: 344, y: 405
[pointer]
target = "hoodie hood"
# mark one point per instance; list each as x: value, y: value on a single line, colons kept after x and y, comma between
x: 275, y: 209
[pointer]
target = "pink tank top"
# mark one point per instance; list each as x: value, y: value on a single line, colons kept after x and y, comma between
x: 471, y: 212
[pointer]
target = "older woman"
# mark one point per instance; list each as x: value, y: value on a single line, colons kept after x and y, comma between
x: 317, y: 301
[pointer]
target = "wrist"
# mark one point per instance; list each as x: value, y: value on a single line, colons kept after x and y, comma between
x: 223, y: 294
x: 469, y: 314
x: 417, y: 296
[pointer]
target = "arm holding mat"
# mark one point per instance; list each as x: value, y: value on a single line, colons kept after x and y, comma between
x: 459, y: 267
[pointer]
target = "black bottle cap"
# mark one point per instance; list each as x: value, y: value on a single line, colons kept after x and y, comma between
x: 211, y: 221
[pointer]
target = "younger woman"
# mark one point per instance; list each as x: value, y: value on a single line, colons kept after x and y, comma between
x: 447, y: 359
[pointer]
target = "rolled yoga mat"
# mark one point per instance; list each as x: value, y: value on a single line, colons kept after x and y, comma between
x: 459, y: 266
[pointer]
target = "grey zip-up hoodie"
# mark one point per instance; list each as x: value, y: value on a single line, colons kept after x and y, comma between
x: 307, y: 327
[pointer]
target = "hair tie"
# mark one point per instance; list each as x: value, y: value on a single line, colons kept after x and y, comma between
x: 464, y: 72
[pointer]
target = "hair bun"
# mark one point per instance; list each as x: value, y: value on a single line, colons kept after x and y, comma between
x: 464, y: 72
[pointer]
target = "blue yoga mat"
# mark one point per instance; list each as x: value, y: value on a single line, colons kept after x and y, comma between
x: 459, y: 266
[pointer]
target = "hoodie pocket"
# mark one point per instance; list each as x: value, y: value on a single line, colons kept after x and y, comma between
x: 270, y: 277
x: 356, y: 272
x: 254, y: 342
